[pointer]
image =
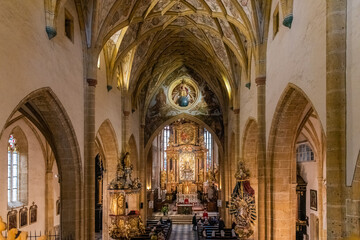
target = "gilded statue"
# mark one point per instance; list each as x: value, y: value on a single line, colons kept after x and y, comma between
x: 163, y: 179
x: 201, y: 175
x: 2, y: 228
x: 172, y: 176
x: 127, y: 160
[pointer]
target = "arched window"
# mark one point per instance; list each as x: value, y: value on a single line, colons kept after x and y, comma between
x: 13, y: 172
x: 304, y: 153
x: 166, y: 136
x: 209, y: 146
x: 17, y: 169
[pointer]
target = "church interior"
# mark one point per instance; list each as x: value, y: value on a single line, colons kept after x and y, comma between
x: 132, y: 119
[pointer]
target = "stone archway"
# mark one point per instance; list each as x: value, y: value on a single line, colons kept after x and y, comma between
x: 46, y: 112
x: 106, y: 143
x: 291, y: 114
x: 249, y: 156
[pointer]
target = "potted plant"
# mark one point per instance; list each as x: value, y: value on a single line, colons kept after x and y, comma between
x: 165, y: 210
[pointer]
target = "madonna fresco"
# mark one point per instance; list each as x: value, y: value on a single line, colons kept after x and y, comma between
x: 201, y: 102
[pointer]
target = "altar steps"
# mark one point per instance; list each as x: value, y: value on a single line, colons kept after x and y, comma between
x: 176, y: 219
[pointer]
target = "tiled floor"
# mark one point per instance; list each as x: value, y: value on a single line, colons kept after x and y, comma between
x: 182, y: 232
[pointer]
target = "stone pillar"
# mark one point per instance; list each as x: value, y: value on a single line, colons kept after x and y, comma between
x: 226, y: 165
x: 49, y: 201
x: 125, y: 121
x: 89, y: 159
x: 142, y: 170
x: 335, y: 116
x: 263, y: 224
x: 237, y: 154
x: 49, y: 192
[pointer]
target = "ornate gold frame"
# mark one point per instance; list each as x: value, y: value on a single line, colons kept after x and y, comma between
x: 188, y: 81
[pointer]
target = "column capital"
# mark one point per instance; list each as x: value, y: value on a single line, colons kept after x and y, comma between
x: 91, y: 82
x: 260, y: 80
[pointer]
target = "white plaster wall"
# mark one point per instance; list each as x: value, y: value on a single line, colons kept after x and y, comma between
x: 298, y: 56
x: 36, y: 176
x: 352, y: 88
x: 29, y: 60
x: 107, y: 103
x: 248, y: 103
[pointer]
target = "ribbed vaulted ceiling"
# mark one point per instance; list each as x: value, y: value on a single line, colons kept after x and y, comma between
x: 151, y: 40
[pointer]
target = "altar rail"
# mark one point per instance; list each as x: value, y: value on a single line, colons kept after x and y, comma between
x: 37, y: 234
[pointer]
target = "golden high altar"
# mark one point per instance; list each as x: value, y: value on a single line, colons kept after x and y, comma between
x: 186, y: 160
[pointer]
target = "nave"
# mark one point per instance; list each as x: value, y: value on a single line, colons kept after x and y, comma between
x: 116, y: 112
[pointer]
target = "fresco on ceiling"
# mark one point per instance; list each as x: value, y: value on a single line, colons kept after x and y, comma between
x: 204, y: 106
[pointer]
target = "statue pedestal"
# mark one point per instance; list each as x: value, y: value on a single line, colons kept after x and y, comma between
x: 212, y: 207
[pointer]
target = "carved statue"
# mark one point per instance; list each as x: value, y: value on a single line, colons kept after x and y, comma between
x: 13, y: 232
x: 172, y: 176
x: 243, y: 206
x: 126, y: 159
x: 163, y: 179
x: 201, y: 175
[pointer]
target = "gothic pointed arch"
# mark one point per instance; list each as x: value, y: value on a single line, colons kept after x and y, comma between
x: 40, y: 107
x: 107, y: 147
x: 294, y: 116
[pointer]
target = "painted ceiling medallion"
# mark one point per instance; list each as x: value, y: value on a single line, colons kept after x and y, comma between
x: 183, y: 93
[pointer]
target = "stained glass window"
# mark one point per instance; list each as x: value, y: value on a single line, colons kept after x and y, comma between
x: 13, y: 171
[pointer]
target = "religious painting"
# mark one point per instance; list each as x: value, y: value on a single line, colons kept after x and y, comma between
x: 183, y: 93
x: 187, y: 166
x: 33, y: 213
x: 187, y: 135
x: 166, y: 102
x: 12, y: 219
x: 313, y: 199
x: 23, y: 217
x: 58, y: 207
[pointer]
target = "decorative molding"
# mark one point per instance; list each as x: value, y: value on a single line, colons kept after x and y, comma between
x: 92, y: 82
x: 288, y: 20
x: 51, y: 12
x: 260, y: 81
x: 51, y: 31
x: 248, y: 85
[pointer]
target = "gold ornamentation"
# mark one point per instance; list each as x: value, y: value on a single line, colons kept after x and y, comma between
x: 242, y: 205
x: 187, y: 166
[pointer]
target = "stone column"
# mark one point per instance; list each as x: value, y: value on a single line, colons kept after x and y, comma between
x: 125, y: 122
x: 142, y: 170
x: 263, y: 224
x: 49, y: 201
x: 227, y: 176
x: 49, y: 190
x: 89, y: 159
x: 335, y: 116
x: 237, y: 155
